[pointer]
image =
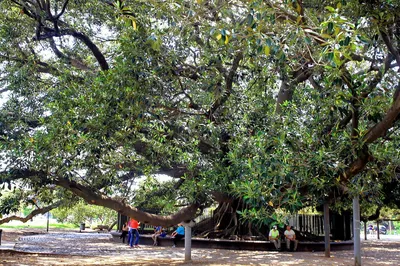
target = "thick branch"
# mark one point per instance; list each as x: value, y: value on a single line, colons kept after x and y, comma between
x: 15, y: 174
x: 94, y: 198
x: 32, y: 214
x: 389, y: 45
x: 62, y: 10
x: 73, y: 62
x: 80, y: 36
x: 379, y: 130
x: 371, y: 86
x: 228, y: 84
x: 286, y: 91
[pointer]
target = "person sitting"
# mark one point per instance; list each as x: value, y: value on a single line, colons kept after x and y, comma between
x: 157, y: 232
x: 290, y: 236
x: 274, y: 237
x: 178, y: 234
x: 163, y: 233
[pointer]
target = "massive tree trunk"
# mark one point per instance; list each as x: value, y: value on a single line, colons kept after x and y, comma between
x: 225, y: 222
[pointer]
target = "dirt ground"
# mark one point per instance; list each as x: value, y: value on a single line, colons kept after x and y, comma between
x: 374, y: 252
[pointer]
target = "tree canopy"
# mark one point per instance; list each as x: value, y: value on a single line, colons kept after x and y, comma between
x: 273, y: 104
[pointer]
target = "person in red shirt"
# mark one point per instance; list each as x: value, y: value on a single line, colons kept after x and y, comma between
x: 134, y: 232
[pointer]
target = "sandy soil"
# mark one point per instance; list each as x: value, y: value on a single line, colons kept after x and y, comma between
x: 374, y: 252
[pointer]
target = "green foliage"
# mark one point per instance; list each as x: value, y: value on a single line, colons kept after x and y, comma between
x: 192, y: 85
x: 10, y: 202
x: 82, y: 212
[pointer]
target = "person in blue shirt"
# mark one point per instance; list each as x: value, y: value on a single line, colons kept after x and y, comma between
x: 178, y: 234
x: 157, y: 232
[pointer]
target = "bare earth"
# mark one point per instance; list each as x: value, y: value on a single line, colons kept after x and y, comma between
x: 98, y: 249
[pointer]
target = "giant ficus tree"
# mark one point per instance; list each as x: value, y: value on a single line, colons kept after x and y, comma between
x: 258, y: 105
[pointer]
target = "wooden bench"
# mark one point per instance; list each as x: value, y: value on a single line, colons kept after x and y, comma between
x: 238, y: 244
x: 101, y: 227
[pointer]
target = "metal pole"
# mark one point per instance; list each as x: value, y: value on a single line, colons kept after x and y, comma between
x: 188, y: 243
x: 327, y: 230
x: 356, y: 233
x: 365, y: 230
x: 377, y: 229
x: 48, y: 217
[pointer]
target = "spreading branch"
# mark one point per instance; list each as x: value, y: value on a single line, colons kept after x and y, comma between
x: 229, y: 78
x: 32, y: 214
x: 377, y: 131
x: 50, y: 33
x: 94, y: 198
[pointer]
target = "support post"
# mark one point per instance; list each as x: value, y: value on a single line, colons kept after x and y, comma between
x: 188, y: 243
x: 356, y: 233
x: 377, y: 229
x: 365, y: 230
x: 48, y: 218
x: 188, y: 239
x: 327, y: 230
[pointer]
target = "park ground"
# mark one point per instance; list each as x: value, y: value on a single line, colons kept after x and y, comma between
x: 69, y: 247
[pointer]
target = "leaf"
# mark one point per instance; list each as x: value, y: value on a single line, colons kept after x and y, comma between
x: 329, y: 8
x: 119, y: 4
x: 267, y: 50
x: 219, y: 36
x: 298, y: 8
x: 325, y: 36
x: 226, y: 39
x: 336, y: 59
x: 346, y: 41
x: 330, y: 56
x: 330, y: 27
x: 250, y: 19
x: 134, y: 24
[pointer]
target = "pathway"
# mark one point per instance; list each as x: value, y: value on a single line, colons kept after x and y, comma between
x: 99, y: 249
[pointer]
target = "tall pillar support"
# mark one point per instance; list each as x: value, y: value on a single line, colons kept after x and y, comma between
x: 327, y: 229
x: 356, y: 233
x: 188, y: 239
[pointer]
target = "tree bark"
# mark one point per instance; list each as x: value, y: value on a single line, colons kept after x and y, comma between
x: 120, y: 206
x: 31, y: 215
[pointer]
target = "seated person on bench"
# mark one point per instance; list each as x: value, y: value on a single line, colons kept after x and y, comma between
x: 290, y: 236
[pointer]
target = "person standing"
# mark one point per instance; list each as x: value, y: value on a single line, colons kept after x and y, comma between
x: 274, y: 237
x: 124, y: 233
x: 290, y: 236
x: 178, y: 234
x: 129, y: 231
x: 134, y: 233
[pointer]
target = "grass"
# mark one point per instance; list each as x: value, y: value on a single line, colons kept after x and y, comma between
x: 25, y: 226
x: 39, y: 224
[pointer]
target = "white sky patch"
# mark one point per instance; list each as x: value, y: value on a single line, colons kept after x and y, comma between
x: 160, y: 178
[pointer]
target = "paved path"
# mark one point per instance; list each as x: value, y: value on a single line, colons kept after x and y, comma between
x: 99, y: 249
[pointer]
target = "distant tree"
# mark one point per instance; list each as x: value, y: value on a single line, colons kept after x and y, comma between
x: 84, y: 213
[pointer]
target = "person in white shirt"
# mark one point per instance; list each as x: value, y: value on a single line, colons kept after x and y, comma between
x: 290, y: 236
